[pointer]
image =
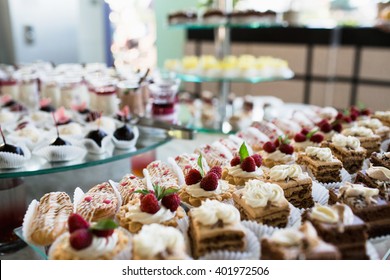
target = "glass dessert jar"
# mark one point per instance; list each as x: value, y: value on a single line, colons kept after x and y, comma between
x: 106, y: 99
x: 28, y: 92
x: 50, y: 88
x: 130, y: 94
x: 73, y: 91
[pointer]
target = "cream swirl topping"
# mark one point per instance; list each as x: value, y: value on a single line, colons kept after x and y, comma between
x: 331, y: 215
x: 257, y: 193
x: 371, y: 123
x: 135, y: 214
x: 282, y: 172
x: 287, y: 237
x: 155, y: 239
x: 196, y: 191
x: 379, y: 173
x: 323, y: 154
x: 211, y: 211
x: 99, y: 247
x: 358, y: 131
x: 237, y: 171
x: 356, y: 190
x: 346, y: 141
x: 279, y: 156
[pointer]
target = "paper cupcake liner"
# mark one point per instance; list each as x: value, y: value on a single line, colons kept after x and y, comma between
x: 182, y: 225
x: 371, y: 251
x: 259, y: 230
x: 126, y: 145
x: 320, y: 193
x: 53, y: 133
x: 77, y: 197
x: 385, y: 145
x: 294, y: 220
x: 11, y: 161
x: 60, y: 153
x: 252, y: 250
x: 27, y: 141
x: 28, y: 220
x: 92, y: 147
x: 366, y: 164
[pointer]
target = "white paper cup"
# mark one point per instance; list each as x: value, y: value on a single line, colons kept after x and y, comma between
x: 126, y: 145
x: 11, y: 160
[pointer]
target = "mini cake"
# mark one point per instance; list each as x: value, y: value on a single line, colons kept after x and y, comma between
x: 215, y: 226
x: 269, y: 129
x: 182, y: 17
x: 157, y: 242
x: 161, y: 206
x: 377, y: 177
x: 347, y: 149
x: 100, y: 202
x: 46, y: 220
x: 329, y: 129
x: 339, y: 226
x: 320, y: 161
x: 99, y: 241
x: 243, y: 168
x: 376, y: 126
x: 383, y: 116
x: 163, y: 174
x: 289, y: 127
x: 233, y: 144
x: 307, y: 138
x: 254, y: 138
x: 297, y: 185
x: 262, y: 202
x: 297, y: 244
x: 127, y: 187
x: 278, y: 152
x: 200, y: 186
x: 186, y: 162
x: 366, y: 204
x: 302, y: 120
x: 368, y: 140
x: 213, y: 16
x: 215, y: 154
x: 251, y: 16
x: 380, y: 159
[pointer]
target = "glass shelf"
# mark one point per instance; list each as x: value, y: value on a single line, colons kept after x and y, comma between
x: 253, y: 80
x: 149, y: 139
x: 40, y: 250
x: 251, y: 25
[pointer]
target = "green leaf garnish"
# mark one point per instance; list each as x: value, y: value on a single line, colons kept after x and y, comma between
x: 157, y: 191
x: 145, y: 192
x: 243, y: 152
x: 200, y: 165
x: 361, y: 105
x: 105, y: 224
x: 311, y: 133
x: 169, y: 191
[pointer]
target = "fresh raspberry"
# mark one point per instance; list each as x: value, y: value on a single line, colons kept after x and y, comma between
x: 235, y: 161
x: 286, y: 149
x: 248, y: 164
x: 305, y: 131
x: 149, y: 204
x: 347, y: 119
x: 103, y: 232
x: 276, y: 143
x: 365, y: 112
x: 80, y: 239
x: 339, y: 116
x: 209, y: 182
x: 193, y: 177
x: 337, y: 127
x: 317, y: 138
x: 76, y: 221
x: 258, y: 159
x: 300, y: 137
x: 354, y: 116
x: 270, y: 147
x: 322, y: 123
x: 217, y: 170
x: 326, y: 127
x: 354, y: 109
x: 171, y: 201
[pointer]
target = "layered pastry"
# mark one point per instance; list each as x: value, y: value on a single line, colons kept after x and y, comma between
x: 383, y: 116
x: 100, y: 202
x: 297, y: 244
x: 269, y: 129
x: 181, y: 17
x: 322, y: 164
x: 163, y: 175
x: 233, y: 144
x: 160, y: 206
x: 215, y: 226
x: 262, y: 202
x: 347, y: 149
x: 97, y: 241
x: 307, y: 138
x: 254, y: 138
x: 367, y: 205
x: 243, y: 168
x: 186, y: 162
x: 200, y: 186
x: 368, y: 140
x: 157, y: 242
x: 289, y: 127
x: 381, y: 159
x: 128, y: 186
x: 47, y: 219
x: 376, y: 126
x: 302, y: 120
x: 376, y: 177
x: 215, y: 154
x: 339, y: 226
x: 278, y: 152
x: 296, y: 185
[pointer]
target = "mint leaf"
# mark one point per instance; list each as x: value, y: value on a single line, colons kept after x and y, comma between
x: 361, y: 105
x: 243, y: 152
x: 105, y: 225
x: 200, y: 165
x: 145, y: 192
x: 311, y: 133
x: 169, y: 191
x: 158, y: 191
